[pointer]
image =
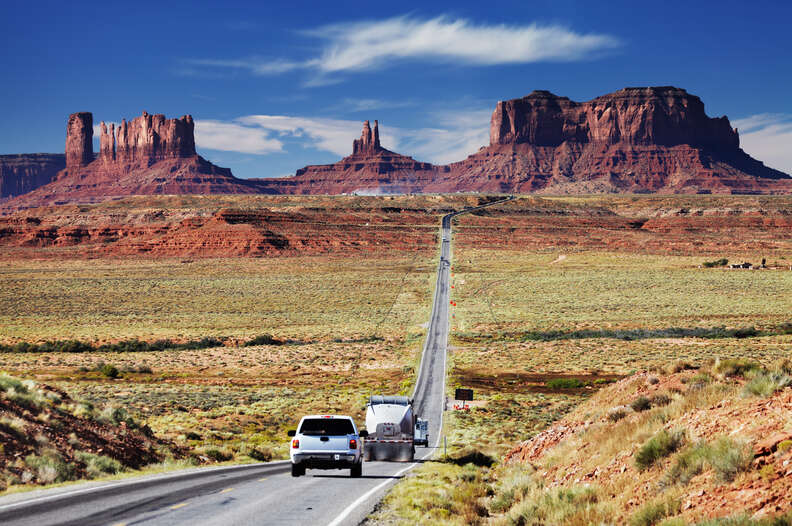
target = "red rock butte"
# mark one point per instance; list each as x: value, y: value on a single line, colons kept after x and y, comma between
x: 370, y: 169
x: 149, y: 154
x: 635, y: 140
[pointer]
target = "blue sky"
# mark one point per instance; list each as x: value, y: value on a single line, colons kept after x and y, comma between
x: 275, y: 87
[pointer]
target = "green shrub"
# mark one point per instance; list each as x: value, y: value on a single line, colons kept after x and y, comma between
x: 725, y: 455
x: 117, y: 415
x: 468, y: 455
x: 641, y: 404
x: 614, y: 415
x: 717, y: 263
x: 98, y: 465
x: 8, y: 383
x: 565, y: 383
x: 744, y: 520
x: 765, y: 383
x: 132, y: 345
x: 49, y: 467
x: 729, y: 458
x: 511, y: 490
x: 659, y: 446
x: 653, y: 512
x: 12, y: 426
x: 687, y: 464
x: 110, y: 371
x: 734, y: 366
x: 262, y: 339
x: 216, y: 453
x: 660, y: 399
x: 746, y: 332
x: 260, y: 454
x: 557, y: 506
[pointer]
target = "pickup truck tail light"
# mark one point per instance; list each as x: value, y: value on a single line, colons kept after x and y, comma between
x: 352, y: 443
x: 295, y: 444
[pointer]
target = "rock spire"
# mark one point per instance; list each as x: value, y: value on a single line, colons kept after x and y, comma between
x: 79, y: 140
x: 369, y: 141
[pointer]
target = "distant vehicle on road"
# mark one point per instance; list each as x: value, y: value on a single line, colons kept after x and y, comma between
x: 421, y: 432
x: 326, y: 442
x: 390, y: 421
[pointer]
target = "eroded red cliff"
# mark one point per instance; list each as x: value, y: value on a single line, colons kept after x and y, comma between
x: 24, y: 172
x: 148, y: 155
x: 371, y: 169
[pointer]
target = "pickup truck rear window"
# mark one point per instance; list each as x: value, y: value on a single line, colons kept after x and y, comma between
x: 327, y: 427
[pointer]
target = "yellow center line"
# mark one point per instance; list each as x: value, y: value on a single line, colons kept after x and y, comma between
x: 262, y: 479
x: 119, y: 524
x: 179, y: 505
x: 227, y: 490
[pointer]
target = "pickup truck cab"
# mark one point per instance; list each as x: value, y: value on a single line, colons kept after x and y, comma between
x: 326, y: 442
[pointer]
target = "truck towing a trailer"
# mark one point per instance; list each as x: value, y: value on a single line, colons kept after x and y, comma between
x: 391, y: 425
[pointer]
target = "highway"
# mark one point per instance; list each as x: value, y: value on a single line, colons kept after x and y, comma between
x: 251, y: 494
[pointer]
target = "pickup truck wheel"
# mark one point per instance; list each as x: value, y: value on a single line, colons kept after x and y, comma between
x: 298, y: 470
x: 356, y: 471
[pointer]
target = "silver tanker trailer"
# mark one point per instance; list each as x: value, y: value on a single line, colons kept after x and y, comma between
x: 390, y: 422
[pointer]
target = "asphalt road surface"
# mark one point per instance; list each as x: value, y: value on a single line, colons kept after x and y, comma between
x: 256, y: 493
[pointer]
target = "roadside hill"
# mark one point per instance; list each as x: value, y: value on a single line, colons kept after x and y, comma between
x: 685, y: 446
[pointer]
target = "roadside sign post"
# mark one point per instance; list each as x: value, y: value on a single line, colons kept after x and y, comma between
x: 464, y: 395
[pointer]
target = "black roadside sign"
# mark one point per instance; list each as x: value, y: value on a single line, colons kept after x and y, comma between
x: 464, y: 394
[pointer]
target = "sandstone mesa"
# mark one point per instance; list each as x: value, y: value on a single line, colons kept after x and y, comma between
x: 635, y: 140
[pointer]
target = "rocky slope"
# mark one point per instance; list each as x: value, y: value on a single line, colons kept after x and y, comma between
x: 24, y: 172
x: 147, y: 155
x: 371, y: 169
x: 694, y: 444
x: 638, y: 140
x: 47, y: 437
x: 737, y: 227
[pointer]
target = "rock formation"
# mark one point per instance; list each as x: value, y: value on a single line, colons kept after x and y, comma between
x: 662, y: 116
x: 148, y: 139
x: 147, y: 155
x: 635, y: 140
x: 24, y: 172
x: 369, y: 143
x: 638, y: 140
x: 79, y: 140
x: 371, y: 169
x: 655, y: 139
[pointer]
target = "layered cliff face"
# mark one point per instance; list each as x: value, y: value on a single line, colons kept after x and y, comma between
x: 634, y: 140
x: 371, y: 169
x: 638, y: 140
x: 662, y: 116
x: 79, y: 140
x: 24, y: 172
x: 147, y: 139
x: 148, y: 155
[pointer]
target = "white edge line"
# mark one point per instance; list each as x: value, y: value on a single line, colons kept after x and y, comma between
x: 123, y: 483
x: 360, y: 500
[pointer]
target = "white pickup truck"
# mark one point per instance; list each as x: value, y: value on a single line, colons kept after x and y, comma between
x: 326, y: 442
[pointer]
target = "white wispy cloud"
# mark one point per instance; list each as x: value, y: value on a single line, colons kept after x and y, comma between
x: 375, y: 44
x: 455, y: 135
x: 235, y: 137
x: 768, y: 137
x: 372, y: 44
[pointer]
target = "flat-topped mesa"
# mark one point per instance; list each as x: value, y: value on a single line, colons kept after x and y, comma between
x: 147, y: 139
x: 79, y: 140
x: 662, y: 115
x: 369, y: 141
